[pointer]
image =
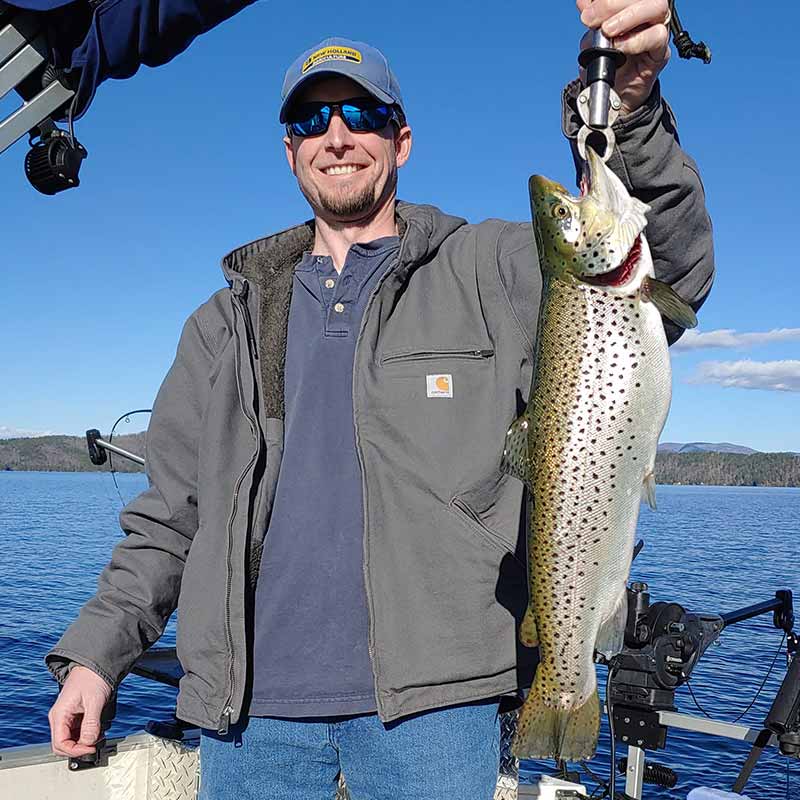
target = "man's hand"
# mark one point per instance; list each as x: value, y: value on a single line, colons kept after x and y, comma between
x: 75, y: 717
x: 640, y: 29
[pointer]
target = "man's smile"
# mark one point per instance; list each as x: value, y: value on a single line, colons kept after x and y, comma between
x: 343, y: 169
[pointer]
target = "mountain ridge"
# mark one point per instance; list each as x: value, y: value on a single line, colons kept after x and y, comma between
x: 705, y: 447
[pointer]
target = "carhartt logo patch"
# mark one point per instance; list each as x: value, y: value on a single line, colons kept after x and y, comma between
x: 439, y: 385
x: 331, y: 54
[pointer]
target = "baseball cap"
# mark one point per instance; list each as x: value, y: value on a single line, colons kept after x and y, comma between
x: 365, y: 65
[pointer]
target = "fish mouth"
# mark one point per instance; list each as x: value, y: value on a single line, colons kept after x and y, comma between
x: 590, y: 167
x: 619, y: 275
x: 586, y: 180
x: 595, y: 182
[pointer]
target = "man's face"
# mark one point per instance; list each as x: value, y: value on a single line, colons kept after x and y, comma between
x: 346, y: 176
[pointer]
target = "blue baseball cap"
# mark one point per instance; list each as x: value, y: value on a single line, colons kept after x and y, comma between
x: 365, y: 65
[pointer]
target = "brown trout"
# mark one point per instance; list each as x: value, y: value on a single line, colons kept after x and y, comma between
x: 586, y: 444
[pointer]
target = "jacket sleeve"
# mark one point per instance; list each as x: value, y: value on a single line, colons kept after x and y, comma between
x: 653, y: 166
x: 138, y: 590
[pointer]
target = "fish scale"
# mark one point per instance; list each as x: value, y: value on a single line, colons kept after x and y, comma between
x: 585, y: 446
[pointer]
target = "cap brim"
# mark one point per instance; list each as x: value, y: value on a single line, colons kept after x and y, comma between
x: 363, y: 82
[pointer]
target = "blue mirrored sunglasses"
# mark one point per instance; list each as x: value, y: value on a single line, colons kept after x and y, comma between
x: 359, y: 114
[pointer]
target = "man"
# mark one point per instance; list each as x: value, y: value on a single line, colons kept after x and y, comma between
x: 326, y: 508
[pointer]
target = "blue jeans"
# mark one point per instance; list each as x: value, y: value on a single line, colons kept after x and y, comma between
x: 437, y: 755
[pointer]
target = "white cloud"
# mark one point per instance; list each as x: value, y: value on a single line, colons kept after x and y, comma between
x: 778, y: 376
x: 729, y: 338
x: 7, y: 432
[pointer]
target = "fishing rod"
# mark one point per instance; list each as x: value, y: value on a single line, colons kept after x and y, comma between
x: 100, y: 450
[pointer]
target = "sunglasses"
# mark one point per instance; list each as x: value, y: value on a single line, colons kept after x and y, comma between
x: 359, y: 114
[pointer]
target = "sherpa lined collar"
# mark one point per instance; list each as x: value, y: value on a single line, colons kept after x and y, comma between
x: 422, y: 229
x: 270, y: 262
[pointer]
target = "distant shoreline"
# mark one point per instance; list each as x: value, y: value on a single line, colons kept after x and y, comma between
x: 105, y: 471
x: 708, y: 468
x: 64, y: 454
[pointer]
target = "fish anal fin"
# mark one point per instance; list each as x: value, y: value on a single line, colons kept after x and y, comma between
x: 528, y: 635
x: 669, y: 302
x: 611, y: 636
x: 649, y: 490
x: 516, y: 459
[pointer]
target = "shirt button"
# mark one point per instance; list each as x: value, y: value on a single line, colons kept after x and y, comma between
x: 330, y: 283
x: 338, y: 308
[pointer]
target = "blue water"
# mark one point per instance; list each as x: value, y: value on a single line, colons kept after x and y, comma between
x: 709, y: 548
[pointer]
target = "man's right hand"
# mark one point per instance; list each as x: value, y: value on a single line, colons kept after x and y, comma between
x: 75, y: 725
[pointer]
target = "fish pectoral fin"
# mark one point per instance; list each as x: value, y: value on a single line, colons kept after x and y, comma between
x: 649, y: 490
x: 611, y: 636
x: 516, y: 461
x: 528, y: 635
x: 669, y: 302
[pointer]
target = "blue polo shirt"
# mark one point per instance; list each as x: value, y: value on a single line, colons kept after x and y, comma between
x: 310, y: 656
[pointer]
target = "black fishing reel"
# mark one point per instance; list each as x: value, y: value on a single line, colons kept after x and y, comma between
x: 53, y: 163
x: 663, y: 643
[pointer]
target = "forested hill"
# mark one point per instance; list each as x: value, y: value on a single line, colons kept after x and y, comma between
x: 69, y: 454
x: 729, y: 469
x: 65, y: 454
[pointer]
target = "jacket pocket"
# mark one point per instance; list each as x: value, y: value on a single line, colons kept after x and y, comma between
x: 492, y: 508
x: 404, y: 356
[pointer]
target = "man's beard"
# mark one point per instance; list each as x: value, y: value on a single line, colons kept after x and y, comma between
x: 350, y: 205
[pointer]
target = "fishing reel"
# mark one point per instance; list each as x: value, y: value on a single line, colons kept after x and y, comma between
x: 663, y: 643
x: 52, y: 164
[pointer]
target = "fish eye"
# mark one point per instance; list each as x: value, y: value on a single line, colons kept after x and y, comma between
x: 560, y: 211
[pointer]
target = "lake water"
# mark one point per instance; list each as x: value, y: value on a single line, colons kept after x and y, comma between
x: 709, y: 548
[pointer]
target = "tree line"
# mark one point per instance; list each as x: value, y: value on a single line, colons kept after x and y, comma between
x: 729, y: 469
x: 64, y: 454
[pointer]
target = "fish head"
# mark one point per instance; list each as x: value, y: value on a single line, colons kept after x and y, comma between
x: 590, y: 237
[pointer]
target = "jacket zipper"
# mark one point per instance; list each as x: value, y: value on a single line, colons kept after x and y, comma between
x: 240, y: 295
x: 370, y: 609
x: 248, y: 323
x: 425, y: 355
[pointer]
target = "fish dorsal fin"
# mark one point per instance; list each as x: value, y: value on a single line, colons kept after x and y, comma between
x: 516, y: 460
x: 669, y: 302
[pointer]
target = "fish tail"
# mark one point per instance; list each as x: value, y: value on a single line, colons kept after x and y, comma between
x: 547, y: 732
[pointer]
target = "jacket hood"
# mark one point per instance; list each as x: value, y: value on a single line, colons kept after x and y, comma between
x: 422, y: 229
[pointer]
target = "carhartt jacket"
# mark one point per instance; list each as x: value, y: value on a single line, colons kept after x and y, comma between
x: 444, y: 543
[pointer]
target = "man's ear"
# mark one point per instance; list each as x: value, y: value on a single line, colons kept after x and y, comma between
x: 287, y: 141
x: 402, y: 145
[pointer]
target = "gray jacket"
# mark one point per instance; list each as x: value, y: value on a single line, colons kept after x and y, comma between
x: 444, y: 545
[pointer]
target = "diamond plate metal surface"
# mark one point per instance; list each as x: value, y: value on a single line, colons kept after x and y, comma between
x: 508, y: 777
x: 173, y: 771
x: 120, y: 777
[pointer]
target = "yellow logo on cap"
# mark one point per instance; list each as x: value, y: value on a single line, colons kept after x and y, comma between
x: 331, y: 54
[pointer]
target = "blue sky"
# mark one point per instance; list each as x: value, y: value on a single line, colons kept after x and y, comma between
x: 186, y: 162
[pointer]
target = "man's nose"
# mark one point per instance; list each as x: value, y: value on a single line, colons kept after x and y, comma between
x: 339, y: 136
